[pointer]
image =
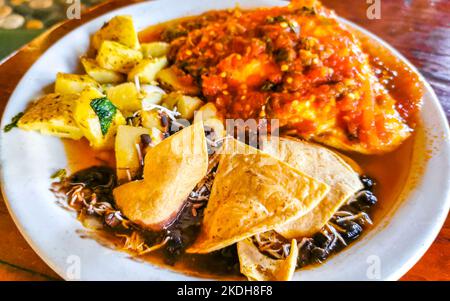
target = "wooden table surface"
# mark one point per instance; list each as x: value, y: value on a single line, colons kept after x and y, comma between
x: 419, y: 29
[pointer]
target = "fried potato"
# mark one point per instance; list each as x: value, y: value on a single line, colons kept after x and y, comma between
x: 126, y: 149
x: 172, y: 169
x: 73, y: 83
x: 319, y: 163
x: 170, y: 80
x: 155, y: 49
x: 147, y: 69
x: 259, y: 267
x: 253, y: 192
x: 119, y: 29
x: 125, y: 96
x: 99, y: 74
x: 116, y: 57
x: 52, y: 114
x: 99, y: 126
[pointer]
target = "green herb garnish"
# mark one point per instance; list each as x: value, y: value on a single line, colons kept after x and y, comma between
x: 13, y: 123
x: 59, y: 174
x: 105, y: 111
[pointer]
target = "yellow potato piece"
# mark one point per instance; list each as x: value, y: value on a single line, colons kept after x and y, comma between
x: 322, y: 164
x: 253, y: 192
x: 155, y: 49
x: 101, y: 75
x: 52, y: 114
x: 119, y: 29
x: 172, y: 169
x: 127, y: 158
x: 89, y: 122
x: 259, y: 267
x: 147, y: 69
x: 73, y: 83
x: 126, y: 97
x: 116, y: 57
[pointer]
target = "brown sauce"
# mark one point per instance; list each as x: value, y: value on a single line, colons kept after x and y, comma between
x: 391, y: 170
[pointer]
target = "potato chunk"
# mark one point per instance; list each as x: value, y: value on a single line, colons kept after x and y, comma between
x: 170, y: 80
x: 73, y: 83
x: 119, y: 29
x: 52, y: 115
x: 125, y: 96
x: 155, y: 49
x: 152, y: 119
x: 147, y: 69
x: 98, y: 118
x: 187, y: 105
x: 129, y: 157
x: 101, y: 75
x: 114, y: 56
x: 207, y: 111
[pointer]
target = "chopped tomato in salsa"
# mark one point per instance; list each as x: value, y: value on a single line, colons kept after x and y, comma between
x: 297, y: 64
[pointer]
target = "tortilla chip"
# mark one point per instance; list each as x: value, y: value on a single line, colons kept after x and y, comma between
x: 253, y: 192
x: 172, y: 169
x: 322, y: 164
x: 259, y: 267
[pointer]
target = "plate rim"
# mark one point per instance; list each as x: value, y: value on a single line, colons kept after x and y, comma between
x: 418, y: 253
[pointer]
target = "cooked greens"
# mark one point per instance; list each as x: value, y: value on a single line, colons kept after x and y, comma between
x: 105, y: 111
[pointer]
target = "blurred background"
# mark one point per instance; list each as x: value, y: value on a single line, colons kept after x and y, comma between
x: 22, y: 20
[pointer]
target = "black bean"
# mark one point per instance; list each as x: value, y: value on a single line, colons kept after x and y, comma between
x: 367, y: 198
x: 352, y: 230
x: 319, y: 254
x: 174, y: 247
x: 146, y: 140
x: 164, y: 121
x: 111, y: 220
x: 368, y: 182
x: 321, y: 240
x: 304, y: 257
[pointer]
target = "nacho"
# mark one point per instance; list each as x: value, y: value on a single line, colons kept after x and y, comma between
x: 259, y: 267
x: 322, y: 164
x: 171, y: 171
x: 253, y: 192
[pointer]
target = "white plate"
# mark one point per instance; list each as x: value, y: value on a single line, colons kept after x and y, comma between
x: 28, y: 160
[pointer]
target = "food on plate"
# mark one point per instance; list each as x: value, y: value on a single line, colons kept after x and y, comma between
x: 295, y: 63
x: 125, y: 97
x: 319, y: 163
x: 73, y: 83
x: 117, y: 57
x: 52, y: 114
x: 119, y: 29
x: 147, y: 69
x: 172, y: 169
x: 253, y: 192
x: 99, y: 74
x: 97, y: 117
x: 259, y: 267
x: 215, y: 138
x: 129, y: 152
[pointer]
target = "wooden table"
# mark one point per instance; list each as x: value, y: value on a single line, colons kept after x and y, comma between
x: 419, y: 29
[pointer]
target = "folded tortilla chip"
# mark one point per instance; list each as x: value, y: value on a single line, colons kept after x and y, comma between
x: 172, y: 169
x: 319, y: 163
x: 253, y: 192
x: 259, y: 267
